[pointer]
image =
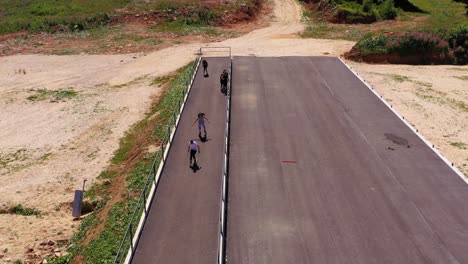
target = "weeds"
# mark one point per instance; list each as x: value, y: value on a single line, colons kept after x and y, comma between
x: 56, y: 15
x: 443, y: 14
x: 53, y: 95
x: 440, y: 98
x: 463, y: 78
x: 431, y: 15
x: 20, y: 210
x: 418, y: 47
x: 75, y: 242
x: 459, y: 145
x: 399, y: 78
x: 183, y: 28
x: 325, y: 30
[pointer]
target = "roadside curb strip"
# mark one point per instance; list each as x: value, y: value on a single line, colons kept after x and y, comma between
x: 224, y: 175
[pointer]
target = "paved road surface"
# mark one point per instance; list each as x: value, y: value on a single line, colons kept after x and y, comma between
x: 182, y: 226
x: 365, y: 188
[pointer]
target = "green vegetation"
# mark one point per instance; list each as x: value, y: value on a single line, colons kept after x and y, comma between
x: 105, y: 246
x: 75, y: 247
x: 402, y: 78
x: 442, y: 14
x: 463, y: 78
x: 79, y: 15
x: 441, y: 98
x: 399, y: 78
x: 365, y: 11
x: 416, y: 15
x: 53, y: 95
x: 53, y: 15
x: 130, y: 39
x: 459, y: 145
x: 20, y: 210
x: 325, y: 30
x: 182, y: 28
x: 424, y: 47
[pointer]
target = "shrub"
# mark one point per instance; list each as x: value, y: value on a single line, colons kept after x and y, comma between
x: 387, y: 10
x: 459, y: 37
x: 364, y: 11
x: 443, y: 46
x: 418, y: 43
x: 376, y: 44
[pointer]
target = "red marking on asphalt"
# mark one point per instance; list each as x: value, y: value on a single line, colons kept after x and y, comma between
x: 288, y: 161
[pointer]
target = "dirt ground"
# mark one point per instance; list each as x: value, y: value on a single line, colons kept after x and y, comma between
x: 48, y: 143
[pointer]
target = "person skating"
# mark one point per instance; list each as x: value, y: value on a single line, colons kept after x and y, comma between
x: 205, y: 68
x: 223, y: 79
x: 201, y: 124
x: 193, y: 148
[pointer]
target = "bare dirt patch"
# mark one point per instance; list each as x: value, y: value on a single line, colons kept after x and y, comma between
x: 47, y: 147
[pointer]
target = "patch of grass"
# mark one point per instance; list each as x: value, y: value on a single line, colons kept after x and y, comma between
x: 63, y: 52
x: 128, y: 39
x: 416, y: 47
x: 19, y: 155
x: 45, y: 156
x: 435, y: 15
x: 402, y: 78
x: 15, y: 161
x: 459, y: 145
x: 53, y: 95
x: 306, y: 14
x: 326, y: 30
x: 457, y: 104
x: 106, y: 246
x: 443, y: 14
x: 20, y: 210
x: 107, y: 174
x: 54, y: 15
x: 458, y: 69
x: 75, y: 242
x: 182, y: 28
x: 463, y: 78
x: 441, y: 98
x: 132, y: 82
x: 399, y: 78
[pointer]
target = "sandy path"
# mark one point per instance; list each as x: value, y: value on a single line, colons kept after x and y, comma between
x: 46, y: 148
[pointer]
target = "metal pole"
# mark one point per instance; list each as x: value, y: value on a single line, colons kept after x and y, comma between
x: 84, y: 182
x: 131, y: 237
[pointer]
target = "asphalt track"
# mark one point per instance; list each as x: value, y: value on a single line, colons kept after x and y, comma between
x: 182, y: 225
x: 363, y: 189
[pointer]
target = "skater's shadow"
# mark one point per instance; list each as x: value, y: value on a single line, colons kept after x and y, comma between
x: 204, y: 139
x: 195, y: 167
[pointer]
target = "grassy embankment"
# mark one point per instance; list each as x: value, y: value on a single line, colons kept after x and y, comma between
x: 53, y: 15
x: 115, y: 26
x: 120, y: 185
x: 435, y: 15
